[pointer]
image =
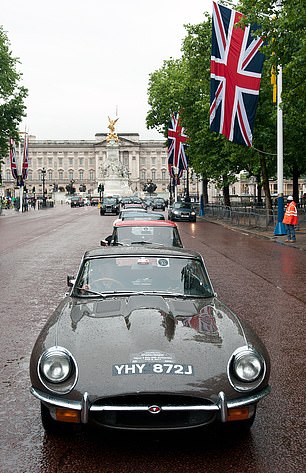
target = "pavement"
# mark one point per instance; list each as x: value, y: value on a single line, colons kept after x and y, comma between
x: 300, y: 232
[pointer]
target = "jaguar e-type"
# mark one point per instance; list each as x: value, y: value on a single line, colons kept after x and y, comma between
x: 141, y: 341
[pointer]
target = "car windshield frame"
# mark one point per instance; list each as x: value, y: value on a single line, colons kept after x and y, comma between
x: 176, y: 276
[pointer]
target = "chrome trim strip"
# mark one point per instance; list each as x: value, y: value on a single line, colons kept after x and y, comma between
x: 244, y: 401
x: 223, y: 406
x: 53, y: 401
x: 85, y: 406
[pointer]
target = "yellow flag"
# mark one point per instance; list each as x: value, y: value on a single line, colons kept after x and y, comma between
x: 273, y: 82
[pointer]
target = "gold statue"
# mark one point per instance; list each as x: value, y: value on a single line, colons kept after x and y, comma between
x: 112, y: 135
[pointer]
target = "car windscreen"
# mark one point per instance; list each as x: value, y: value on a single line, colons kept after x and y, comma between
x: 183, y: 205
x: 109, y: 201
x: 133, y: 274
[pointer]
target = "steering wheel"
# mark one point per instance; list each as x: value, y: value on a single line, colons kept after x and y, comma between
x: 108, y: 284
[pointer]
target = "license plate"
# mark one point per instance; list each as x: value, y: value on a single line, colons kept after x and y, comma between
x: 152, y: 368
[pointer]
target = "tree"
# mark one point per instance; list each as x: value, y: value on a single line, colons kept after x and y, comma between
x: 12, y: 95
x: 283, y: 26
x: 183, y: 85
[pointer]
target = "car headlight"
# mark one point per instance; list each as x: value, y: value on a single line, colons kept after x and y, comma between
x: 57, y: 370
x: 246, y: 369
x: 247, y: 366
x: 55, y: 365
x: 176, y: 212
x: 192, y: 213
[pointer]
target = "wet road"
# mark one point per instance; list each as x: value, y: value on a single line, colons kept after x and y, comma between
x: 260, y: 279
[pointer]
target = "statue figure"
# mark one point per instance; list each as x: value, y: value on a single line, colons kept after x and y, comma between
x: 112, y: 135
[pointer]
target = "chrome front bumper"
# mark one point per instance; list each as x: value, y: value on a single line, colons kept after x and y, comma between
x: 221, y: 406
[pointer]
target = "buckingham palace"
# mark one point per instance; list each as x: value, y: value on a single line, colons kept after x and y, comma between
x: 56, y: 164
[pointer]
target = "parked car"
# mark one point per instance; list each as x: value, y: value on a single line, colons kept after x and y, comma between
x: 142, y: 342
x: 138, y: 214
x: 76, y: 201
x: 109, y: 205
x: 143, y: 232
x: 148, y: 201
x: 94, y: 201
x: 158, y: 203
x: 143, y: 216
x: 182, y: 211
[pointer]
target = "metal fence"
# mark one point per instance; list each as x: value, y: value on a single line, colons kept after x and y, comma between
x: 245, y: 216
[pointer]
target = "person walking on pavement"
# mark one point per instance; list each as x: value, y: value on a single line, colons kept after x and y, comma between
x: 290, y: 219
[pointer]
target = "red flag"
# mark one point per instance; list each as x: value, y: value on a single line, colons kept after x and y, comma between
x: 25, y: 162
x: 13, y: 158
x: 177, y: 159
x: 236, y: 66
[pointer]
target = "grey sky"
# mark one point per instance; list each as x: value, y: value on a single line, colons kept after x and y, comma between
x: 83, y: 60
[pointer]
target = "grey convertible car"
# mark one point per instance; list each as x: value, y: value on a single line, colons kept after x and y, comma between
x: 142, y: 342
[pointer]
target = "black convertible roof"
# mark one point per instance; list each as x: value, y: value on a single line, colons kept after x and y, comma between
x: 140, y: 251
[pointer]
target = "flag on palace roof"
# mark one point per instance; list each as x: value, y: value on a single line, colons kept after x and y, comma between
x: 177, y: 159
x: 236, y: 66
x: 13, y: 158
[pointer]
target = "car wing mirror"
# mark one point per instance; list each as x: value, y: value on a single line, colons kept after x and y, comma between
x: 70, y: 281
x: 106, y: 241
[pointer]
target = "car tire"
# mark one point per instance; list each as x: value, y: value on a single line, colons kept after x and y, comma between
x: 52, y: 426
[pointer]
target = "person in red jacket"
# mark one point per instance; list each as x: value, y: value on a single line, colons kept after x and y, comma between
x: 290, y: 219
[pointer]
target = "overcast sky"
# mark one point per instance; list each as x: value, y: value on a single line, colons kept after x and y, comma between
x: 83, y: 61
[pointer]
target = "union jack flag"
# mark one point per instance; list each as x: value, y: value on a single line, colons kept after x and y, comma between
x: 177, y: 159
x: 25, y: 162
x: 236, y: 66
x: 13, y: 159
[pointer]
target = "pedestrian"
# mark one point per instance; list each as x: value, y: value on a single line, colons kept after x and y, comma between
x: 290, y: 219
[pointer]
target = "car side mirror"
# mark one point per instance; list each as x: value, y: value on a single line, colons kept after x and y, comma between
x: 70, y: 281
x: 106, y: 241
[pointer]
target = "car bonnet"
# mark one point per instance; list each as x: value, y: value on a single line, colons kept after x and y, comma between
x: 113, y: 340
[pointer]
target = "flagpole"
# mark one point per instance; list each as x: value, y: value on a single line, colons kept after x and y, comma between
x: 280, y: 228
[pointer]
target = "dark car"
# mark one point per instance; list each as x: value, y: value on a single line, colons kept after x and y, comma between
x: 139, y: 214
x: 109, y: 205
x: 158, y: 203
x: 182, y: 211
x: 143, y: 216
x: 142, y: 342
x: 77, y: 201
x: 94, y: 201
x: 142, y: 232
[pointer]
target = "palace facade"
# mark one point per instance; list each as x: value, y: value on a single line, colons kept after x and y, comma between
x: 55, y: 165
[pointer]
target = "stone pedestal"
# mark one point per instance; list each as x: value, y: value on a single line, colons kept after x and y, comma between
x: 113, y: 174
